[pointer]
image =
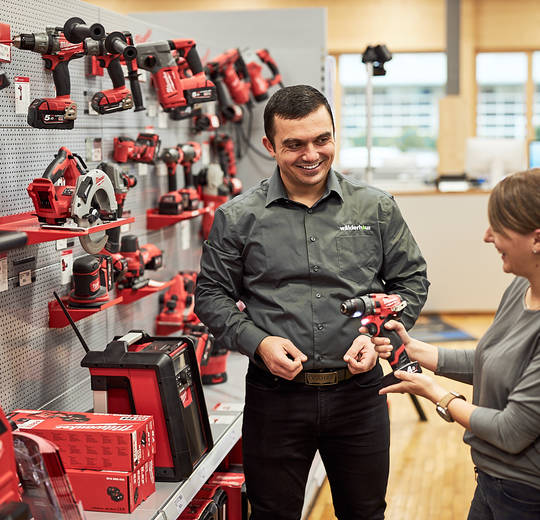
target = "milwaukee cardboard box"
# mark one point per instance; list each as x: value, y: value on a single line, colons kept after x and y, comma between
x: 93, y: 440
x: 113, y: 491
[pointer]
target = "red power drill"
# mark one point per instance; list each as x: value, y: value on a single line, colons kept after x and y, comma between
x: 58, y: 46
x: 144, y: 149
x: 376, y: 309
x: 191, y: 153
x: 109, y: 52
x: 173, y: 90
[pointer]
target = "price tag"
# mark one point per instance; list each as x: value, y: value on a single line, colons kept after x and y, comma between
x: 25, y: 277
x: 22, y: 94
x: 152, y: 109
x: 3, y: 273
x: 124, y: 228
x: 61, y: 243
x: 66, y: 266
x: 185, y: 235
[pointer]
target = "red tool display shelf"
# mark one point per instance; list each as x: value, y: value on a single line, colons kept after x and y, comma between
x: 58, y: 320
x: 154, y: 220
x: 29, y: 224
x: 131, y: 295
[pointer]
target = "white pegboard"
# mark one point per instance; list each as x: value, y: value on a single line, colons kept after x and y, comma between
x: 40, y: 367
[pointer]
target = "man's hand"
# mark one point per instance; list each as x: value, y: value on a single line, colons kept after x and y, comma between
x: 361, y: 355
x: 281, y: 357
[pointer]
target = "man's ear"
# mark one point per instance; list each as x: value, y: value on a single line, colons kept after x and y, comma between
x: 268, y: 145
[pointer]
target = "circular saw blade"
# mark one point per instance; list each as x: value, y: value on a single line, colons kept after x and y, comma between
x: 93, y: 243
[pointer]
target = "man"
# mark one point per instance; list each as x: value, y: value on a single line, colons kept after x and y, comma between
x: 292, y: 249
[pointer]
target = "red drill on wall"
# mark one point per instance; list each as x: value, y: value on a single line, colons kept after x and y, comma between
x: 58, y: 46
x: 376, y: 309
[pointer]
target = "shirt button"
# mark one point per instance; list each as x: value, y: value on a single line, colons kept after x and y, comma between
x: 318, y: 357
x: 310, y: 211
x: 316, y: 268
x: 320, y: 326
x: 317, y: 295
x: 312, y: 238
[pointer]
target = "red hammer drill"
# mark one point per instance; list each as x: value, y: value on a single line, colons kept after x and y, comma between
x: 375, y: 310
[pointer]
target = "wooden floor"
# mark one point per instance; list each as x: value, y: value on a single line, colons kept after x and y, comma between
x: 431, y: 473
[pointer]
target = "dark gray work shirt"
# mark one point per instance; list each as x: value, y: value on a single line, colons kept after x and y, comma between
x: 292, y: 266
x: 504, y: 370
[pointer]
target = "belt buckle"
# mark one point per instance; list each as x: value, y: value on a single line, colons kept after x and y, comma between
x: 321, y: 378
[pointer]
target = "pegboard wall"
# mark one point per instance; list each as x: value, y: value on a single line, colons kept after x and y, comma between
x: 39, y: 366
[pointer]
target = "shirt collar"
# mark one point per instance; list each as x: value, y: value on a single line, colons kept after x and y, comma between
x: 277, y: 191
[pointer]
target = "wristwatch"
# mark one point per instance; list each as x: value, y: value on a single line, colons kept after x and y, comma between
x: 442, y: 405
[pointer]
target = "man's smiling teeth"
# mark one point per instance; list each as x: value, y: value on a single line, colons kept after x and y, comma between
x: 310, y: 166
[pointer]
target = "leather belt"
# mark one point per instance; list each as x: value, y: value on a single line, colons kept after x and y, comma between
x: 323, y: 377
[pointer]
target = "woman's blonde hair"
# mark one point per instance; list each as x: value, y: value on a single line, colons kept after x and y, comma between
x: 514, y: 203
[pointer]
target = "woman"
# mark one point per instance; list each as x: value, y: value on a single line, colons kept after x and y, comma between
x: 503, y: 422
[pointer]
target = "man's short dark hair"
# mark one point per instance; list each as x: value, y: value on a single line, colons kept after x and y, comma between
x: 294, y: 102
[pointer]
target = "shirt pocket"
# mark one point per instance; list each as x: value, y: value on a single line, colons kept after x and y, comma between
x: 358, y: 254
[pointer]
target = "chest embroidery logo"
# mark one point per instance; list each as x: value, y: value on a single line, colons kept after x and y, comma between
x: 355, y: 227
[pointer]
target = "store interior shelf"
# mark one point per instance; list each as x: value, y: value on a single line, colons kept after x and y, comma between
x: 58, y: 320
x: 130, y: 295
x: 28, y: 223
x: 154, y: 220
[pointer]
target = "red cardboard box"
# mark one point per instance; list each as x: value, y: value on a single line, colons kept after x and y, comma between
x: 113, y: 491
x: 92, y: 440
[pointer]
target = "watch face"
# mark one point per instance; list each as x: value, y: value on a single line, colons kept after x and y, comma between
x: 443, y: 412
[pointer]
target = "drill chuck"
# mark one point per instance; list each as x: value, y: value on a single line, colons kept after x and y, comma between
x: 357, y: 307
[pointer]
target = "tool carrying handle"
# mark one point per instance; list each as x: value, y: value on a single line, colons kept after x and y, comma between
x: 398, y: 356
x: 61, y: 79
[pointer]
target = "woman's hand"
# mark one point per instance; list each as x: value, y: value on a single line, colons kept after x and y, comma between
x: 418, y: 384
x: 382, y: 344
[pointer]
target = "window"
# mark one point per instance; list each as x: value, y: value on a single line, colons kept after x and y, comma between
x: 405, y: 115
x: 501, y: 78
x: 536, y: 100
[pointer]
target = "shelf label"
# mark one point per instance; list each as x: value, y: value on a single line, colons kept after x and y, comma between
x: 25, y: 277
x: 229, y: 407
x: 185, y: 235
x: 180, y: 502
x: 221, y: 419
x: 22, y: 94
x: 66, y: 266
x: 3, y: 272
x: 142, y: 169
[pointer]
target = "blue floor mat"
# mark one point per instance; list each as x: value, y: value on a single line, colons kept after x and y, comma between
x: 432, y: 329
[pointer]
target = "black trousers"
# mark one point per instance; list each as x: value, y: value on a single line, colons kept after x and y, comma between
x: 286, y: 422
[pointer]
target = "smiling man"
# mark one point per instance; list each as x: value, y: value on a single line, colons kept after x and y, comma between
x: 292, y: 249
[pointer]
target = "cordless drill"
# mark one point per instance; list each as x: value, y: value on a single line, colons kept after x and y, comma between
x: 376, y: 309
x: 58, y: 46
x: 109, y: 52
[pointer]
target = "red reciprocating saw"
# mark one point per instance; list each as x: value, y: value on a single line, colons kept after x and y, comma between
x: 58, y: 46
x: 109, y: 52
x: 375, y: 310
x: 174, y: 91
